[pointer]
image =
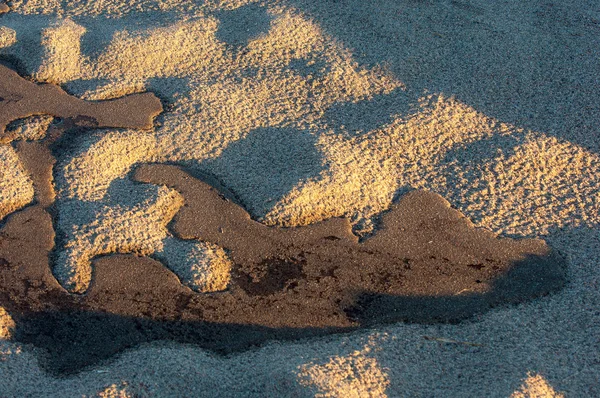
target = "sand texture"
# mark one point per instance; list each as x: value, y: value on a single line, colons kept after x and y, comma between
x: 426, y: 264
x: 21, y: 98
x: 299, y: 198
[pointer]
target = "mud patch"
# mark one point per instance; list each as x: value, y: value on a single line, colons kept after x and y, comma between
x: 271, y: 275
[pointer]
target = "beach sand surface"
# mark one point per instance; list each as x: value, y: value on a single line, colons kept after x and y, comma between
x: 297, y: 112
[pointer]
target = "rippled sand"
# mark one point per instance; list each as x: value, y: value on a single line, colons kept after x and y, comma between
x: 307, y: 110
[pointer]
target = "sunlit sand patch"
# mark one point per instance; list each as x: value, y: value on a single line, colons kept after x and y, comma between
x: 110, y: 158
x: 272, y: 97
x: 203, y: 267
x: 354, y: 375
x: 182, y: 49
x: 366, y: 171
x: 7, y: 325
x: 16, y: 188
x: 535, y: 386
x: 120, y: 390
x: 62, y: 59
x: 112, y: 90
x: 31, y: 128
x: 529, y: 174
x: 8, y: 37
x: 535, y: 184
x: 140, y: 229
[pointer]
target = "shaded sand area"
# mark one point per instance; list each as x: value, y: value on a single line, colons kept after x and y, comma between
x: 301, y: 112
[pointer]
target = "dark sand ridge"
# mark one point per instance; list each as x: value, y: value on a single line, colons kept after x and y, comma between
x: 426, y: 264
x: 20, y: 98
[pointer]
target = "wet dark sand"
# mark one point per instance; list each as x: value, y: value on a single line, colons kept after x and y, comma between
x: 20, y: 98
x: 426, y: 263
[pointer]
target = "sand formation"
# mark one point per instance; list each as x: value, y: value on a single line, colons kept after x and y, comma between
x: 426, y: 262
x: 20, y: 98
x: 419, y: 234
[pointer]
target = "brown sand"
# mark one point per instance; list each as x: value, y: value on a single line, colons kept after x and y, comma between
x: 426, y: 263
x: 20, y: 98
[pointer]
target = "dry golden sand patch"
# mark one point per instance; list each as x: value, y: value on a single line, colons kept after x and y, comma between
x: 109, y: 158
x: 8, y: 36
x: 16, y: 188
x: 62, y: 59
x: 354, y: 375
x: 116, y: 391
x: 555, y: 181
x: 535, y: 386
x: 140, y: 229
x: 367, y: 170
x: 7, y: 325
x: 31, y: 128
x: 204, y: 267
x: 540, y: 184
x: 182, y: 49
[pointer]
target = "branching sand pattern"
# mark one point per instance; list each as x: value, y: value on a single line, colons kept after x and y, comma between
x: 289, y: 75
x: 20, y: 98
x: 427, y: 263
x: 119, y: 230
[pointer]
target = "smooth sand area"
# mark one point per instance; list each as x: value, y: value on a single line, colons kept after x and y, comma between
x: 323, y: 133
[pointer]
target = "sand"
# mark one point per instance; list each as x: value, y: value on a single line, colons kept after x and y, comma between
x: 305, y: 111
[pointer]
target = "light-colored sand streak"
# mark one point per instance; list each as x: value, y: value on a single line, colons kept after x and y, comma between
x: 355, y: 375
x: 526, y: 174
x: 7, y: 325
x: 535, y: 386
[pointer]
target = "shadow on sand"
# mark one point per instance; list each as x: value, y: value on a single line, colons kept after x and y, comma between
x: 76, y: 339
